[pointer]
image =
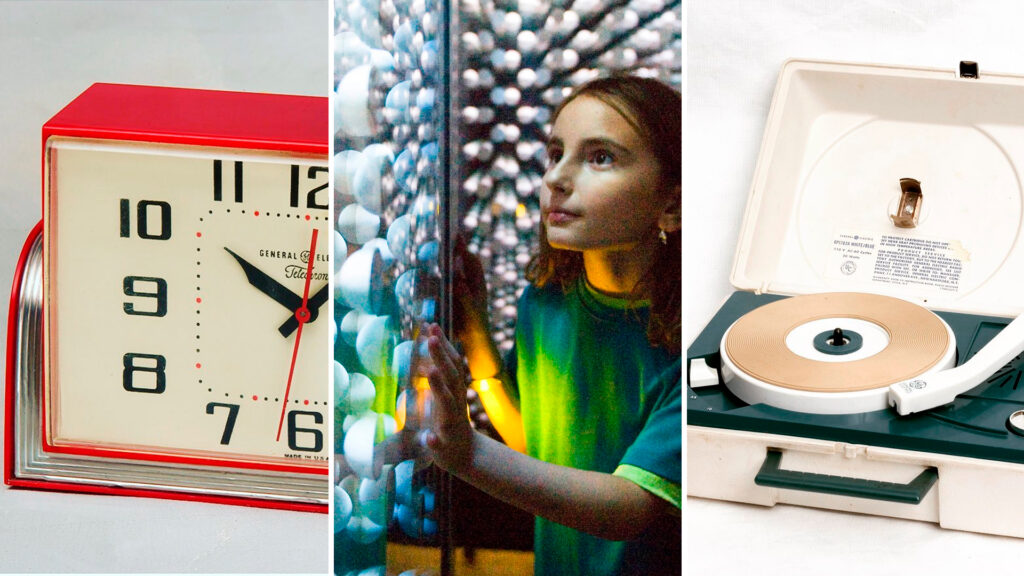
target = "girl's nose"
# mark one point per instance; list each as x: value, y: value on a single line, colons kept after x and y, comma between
x: 557, y: 178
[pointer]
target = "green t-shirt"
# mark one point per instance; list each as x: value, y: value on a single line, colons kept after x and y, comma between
x: 595, y: 395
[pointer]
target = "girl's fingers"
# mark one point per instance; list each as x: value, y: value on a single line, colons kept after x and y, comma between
x: 449, y: 361
x: 445, y: 357
x: 443, y: 376
x: 440, y: 387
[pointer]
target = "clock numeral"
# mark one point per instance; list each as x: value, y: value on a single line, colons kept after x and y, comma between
x: 160, y: 295
x: 311, y: 202
x: 131, y: 368
x: 142, y: 219
x: 218, y: 181
x: 229, y: 426
x: 293, y: 430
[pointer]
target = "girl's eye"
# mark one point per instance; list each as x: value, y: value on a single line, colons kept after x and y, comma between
x: 601, y: 158
x: 554, y: 155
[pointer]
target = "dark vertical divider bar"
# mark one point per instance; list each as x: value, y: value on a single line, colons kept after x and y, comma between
x: 448, y: 223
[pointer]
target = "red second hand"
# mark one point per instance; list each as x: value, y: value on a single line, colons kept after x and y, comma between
x: 302, y: 315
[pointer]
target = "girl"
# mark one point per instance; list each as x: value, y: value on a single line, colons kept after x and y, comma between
x: 596, y: 368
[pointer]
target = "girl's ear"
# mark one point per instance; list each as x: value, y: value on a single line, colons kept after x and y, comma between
x: 671, y: 220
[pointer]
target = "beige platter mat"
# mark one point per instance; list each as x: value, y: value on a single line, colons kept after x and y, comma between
x: 756, y: 343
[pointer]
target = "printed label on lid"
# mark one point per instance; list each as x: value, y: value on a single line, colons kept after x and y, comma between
x: 925, y: 263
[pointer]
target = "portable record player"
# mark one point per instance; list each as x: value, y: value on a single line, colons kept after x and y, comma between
x: 868, y: 362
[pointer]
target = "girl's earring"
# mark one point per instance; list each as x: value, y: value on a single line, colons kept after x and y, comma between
x: 662, y: 236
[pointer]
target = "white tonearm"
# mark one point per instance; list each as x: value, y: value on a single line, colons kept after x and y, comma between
x: 938, y: 388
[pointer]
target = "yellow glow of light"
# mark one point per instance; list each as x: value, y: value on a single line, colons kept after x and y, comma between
x: 400, y: 413
x: 503, y: 415
x: 520, y: 211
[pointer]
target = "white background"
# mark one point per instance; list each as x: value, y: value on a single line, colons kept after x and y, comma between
x: 49, y: 53
x: 735, y: 51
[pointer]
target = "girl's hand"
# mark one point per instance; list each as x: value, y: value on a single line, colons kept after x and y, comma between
x: 451, y: 438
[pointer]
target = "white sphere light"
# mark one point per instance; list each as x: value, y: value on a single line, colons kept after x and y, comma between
x: 398, y: 238
x: 349, y: 326
x: 405, y: 170
x: 358, y: 445
x: 369, y: 492
x: 404, y: 482
x: 513, y: 59
x: 368, y: 181
x: 358, y: 397
x: 409, y: 521
x: 383, y: 248
x: 363, y: 530
x: 351, y: 107
x: 570, y: 21
x: 349, y: 51
x: 342, y: 508
x: 345, y: 164
x: 382, y: 60
x: 349, y: 420
x: 401, y: 362
x: 513, y: 23
x: 527, y: 41
x: 361, y: 280
x: 526, y: 78
x: 586, y: 6
x: 357, y: 225
x: 396, y: 104
x: 374, y: 345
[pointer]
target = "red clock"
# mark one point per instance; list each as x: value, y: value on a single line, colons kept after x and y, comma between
x: 168, y: 329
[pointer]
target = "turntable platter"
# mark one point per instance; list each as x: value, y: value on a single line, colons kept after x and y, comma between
x: 832, y: 353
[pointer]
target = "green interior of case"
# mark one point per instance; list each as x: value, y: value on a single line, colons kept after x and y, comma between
x: 975, y: 425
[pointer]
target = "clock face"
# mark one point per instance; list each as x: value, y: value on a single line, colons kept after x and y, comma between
x: 187, y: 307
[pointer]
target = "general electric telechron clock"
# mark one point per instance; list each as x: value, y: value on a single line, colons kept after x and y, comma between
x: 168, y: 328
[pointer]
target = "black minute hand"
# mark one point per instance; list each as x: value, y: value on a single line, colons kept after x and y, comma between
x: 264, y: 283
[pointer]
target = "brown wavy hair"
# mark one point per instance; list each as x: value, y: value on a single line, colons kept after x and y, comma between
x: 655, y: 110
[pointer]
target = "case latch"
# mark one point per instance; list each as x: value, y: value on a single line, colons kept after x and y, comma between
x: 968, y: 69
x: 910, y: 204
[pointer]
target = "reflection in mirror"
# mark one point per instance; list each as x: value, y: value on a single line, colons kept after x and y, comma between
x: 386, y: 247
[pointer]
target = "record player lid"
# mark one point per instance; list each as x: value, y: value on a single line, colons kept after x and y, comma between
x: 826, y: 195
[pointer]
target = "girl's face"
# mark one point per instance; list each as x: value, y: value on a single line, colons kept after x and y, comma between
x: 602, y: 188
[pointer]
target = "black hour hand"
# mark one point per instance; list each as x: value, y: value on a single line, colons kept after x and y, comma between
x: 315, y: 302
x: 264, y: 283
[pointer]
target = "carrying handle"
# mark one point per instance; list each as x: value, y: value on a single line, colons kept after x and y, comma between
x: 771, y: 474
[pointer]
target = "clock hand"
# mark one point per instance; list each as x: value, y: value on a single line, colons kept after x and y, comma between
x: 302, y: 316
x: 264, y: 283
x: 315, y: 302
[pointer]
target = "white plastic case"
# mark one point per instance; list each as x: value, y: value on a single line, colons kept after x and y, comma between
x: 838, y: 139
